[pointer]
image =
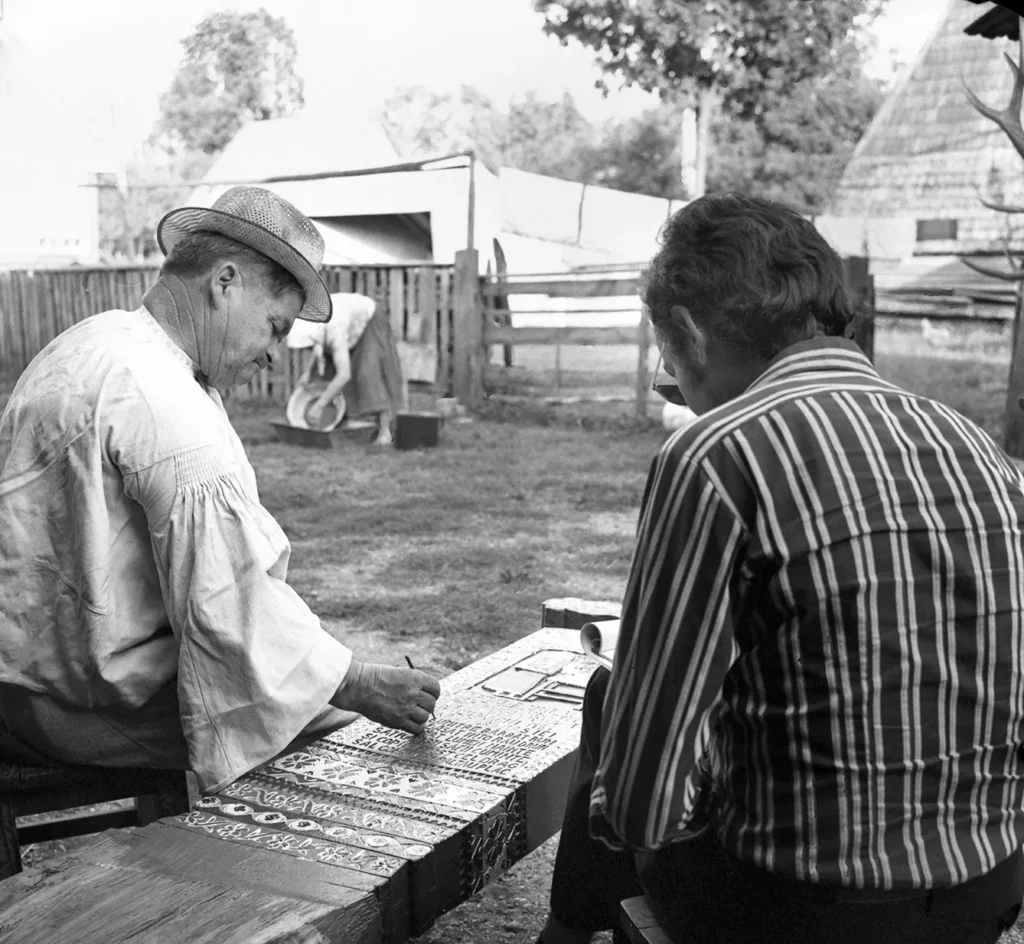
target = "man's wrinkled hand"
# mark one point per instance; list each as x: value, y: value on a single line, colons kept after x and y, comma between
x: 395, y: 697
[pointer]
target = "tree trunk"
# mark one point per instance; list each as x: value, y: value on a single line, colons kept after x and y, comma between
x: 706, y: 104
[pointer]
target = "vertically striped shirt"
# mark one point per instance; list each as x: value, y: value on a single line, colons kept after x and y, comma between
x: 826, y: 597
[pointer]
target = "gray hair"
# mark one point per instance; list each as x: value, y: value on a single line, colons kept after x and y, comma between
x: 197, y: 253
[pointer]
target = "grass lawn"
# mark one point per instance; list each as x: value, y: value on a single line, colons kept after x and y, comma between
x: 445, y: 555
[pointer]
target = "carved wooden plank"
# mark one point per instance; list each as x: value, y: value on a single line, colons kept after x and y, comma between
x: 491, y: 771
x: 182, y: 853
x: 73, y: 900
x: 366, y: 820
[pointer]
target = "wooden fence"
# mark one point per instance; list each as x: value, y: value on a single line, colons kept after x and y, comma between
x: 35, y: 306
x: 622, y: 285
x: 499, y: 330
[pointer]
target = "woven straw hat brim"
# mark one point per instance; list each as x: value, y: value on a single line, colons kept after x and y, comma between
x: 186, y: 220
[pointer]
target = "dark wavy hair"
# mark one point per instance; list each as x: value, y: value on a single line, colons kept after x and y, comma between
x: 197, y: 253
x: 752, y: 272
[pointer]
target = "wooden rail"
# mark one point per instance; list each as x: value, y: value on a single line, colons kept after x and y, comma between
x: 582, y: 334
x: 562, y: 288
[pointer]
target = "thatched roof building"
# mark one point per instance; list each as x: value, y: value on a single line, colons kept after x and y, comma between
x: 929, y: 155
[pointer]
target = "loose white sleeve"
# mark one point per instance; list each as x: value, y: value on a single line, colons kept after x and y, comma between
x: 255, y: 665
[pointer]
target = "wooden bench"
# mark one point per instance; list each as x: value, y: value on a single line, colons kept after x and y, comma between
x: 365, y: 836
x: 29, y: 790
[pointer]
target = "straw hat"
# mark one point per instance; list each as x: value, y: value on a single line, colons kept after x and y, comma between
x: 267, y: 223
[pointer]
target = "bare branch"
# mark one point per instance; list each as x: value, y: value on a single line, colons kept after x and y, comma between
x: 1009, y: 118
x: 1001, y: 207
x: 1017, y: 276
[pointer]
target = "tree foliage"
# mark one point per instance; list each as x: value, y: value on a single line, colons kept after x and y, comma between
x: 532, y: 134
x: 794, y: 152
x: 552, y: 138
x: 424, y: 123
x: 156, y: 183
x: 237, y: 67
x: 750, y: 52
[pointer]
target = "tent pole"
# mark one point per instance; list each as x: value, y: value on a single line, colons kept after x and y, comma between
x: 472, y: 199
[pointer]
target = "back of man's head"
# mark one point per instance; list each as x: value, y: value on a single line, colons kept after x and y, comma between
x: 752, y: 272
x: 198, y: 253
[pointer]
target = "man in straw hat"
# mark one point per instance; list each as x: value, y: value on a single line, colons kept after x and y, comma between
x: 144, y: 615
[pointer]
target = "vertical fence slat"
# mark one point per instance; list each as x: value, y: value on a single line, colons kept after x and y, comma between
x: 36, y: 343
x: 444, y: 333
x: 426, y: 330
x: 21, y: 313
x: 4, y: 316
x: 413, y: 304
x: 396, y: 301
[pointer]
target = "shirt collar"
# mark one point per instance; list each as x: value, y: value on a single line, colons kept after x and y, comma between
x: 817, y: 354
x: 163, y: 338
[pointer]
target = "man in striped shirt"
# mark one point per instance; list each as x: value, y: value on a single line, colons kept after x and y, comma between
x: 815, y: 723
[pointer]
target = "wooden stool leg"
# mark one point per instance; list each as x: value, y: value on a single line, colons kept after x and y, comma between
x: 171, y: 801
x: 10, y: 849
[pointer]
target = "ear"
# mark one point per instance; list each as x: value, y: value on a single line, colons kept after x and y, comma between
x: 694, y: 335
x: 224, y: 277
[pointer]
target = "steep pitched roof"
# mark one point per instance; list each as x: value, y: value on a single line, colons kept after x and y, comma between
x: 311, y: 142
x: 930, y: 155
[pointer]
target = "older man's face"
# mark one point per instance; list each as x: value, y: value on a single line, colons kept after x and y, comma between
x: 245, y: 332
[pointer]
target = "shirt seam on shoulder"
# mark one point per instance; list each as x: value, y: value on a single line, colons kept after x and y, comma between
x: 711, y: 473
x: 170, y: 455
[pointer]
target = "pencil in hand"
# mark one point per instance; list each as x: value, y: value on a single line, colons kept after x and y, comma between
x: 408, y: 662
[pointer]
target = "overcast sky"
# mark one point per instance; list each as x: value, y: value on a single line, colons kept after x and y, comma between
x: 111, y: 59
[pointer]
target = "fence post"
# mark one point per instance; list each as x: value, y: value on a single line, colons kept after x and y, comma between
x: 468, y: 329
x: 1013, y: 420
x: 501, y: 315
x: 643, y: 377
x: 860, y: 286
